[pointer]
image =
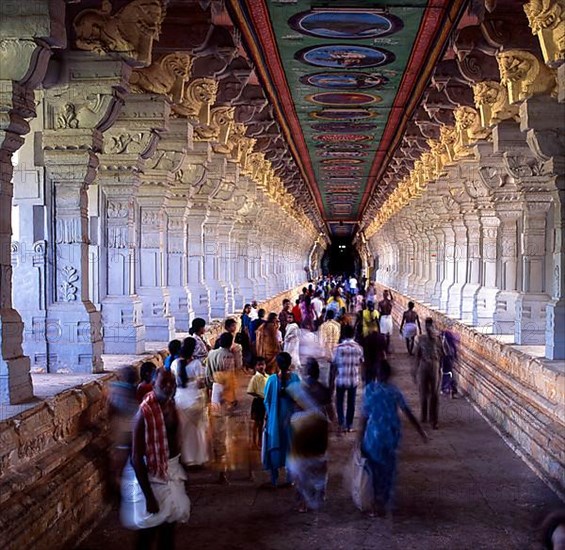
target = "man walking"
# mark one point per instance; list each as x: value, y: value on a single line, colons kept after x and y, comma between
x: 426, y: 374
x: 384, y: 308
x: 155, y: 460
x: 348, y: 361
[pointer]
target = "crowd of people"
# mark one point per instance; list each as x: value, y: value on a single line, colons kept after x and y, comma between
x: 334, y: 339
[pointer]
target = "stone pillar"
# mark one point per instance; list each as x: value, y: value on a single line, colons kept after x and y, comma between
x: 532, y: 301
x: 153, y: 197
x: 505, y: 310
x: 127, y: 146
x: 28, y: 31
x: 29, y: 250
x: 473, y: 274
x: 488, y: 292
x: 72, y: 137
x: 449, y: 260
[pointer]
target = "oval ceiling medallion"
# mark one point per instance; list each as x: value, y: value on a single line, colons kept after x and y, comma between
x: 344, y: 56
x: 345, y: 24
x: 342, y: 153
x: 340, y: 161
x: 336, y: 146
x: 342, y: 127
x: 344, y: 80
x: 342, y: 137
x: 346, y: 99
x: 343, y: 114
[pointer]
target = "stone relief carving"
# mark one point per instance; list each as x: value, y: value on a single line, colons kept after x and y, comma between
x: 491, y: 99
x: 199, y: 96
x: 68, y: 288
x: 68, y: 231
x: 221, y: 124
x: 448, y: 137
x: 117, y: 210
x: 547, y: 21
x: 134, y: 143
x: 117, y: 237
x: 165, y: 76
x: 525, y: 75
x: 491, y: 177
x: 170, y: 161
x: 520, y: 167
x: 67, y: 117
x: 130, y: 31
x: 468, y: 130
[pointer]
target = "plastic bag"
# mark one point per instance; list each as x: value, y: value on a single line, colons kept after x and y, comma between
x: 361, y: 482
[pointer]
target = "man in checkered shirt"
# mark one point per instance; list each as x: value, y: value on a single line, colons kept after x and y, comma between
x: 348, y: 360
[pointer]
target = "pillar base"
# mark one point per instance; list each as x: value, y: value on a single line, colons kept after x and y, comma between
x: 485, y: 307
x: 159, y: 323
x: 530, y: 319
x: 219, y: 300
x: 181, y: 308
x: 454, y: 300
x: 201, y: 301
x: 555, y: 330
x: 74, y: 339
x: 124, y: 334
x: 469, y: 303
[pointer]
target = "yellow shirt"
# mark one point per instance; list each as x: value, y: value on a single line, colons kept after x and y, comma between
x: 370, y: 321
x: 257, y: 384
x: 329, y: 333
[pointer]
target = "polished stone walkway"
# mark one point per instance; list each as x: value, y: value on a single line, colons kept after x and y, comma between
x: 465, y: 489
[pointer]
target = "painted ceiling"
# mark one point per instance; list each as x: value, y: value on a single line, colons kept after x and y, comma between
x: 344, y: 78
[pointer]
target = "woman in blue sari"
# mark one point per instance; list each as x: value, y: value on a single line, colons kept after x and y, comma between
x: 279, y: 407
x: 381, y: 434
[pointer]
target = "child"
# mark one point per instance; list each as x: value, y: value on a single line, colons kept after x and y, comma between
x: 146, y: 373
x: 174, y: 349
x: 256, y: 388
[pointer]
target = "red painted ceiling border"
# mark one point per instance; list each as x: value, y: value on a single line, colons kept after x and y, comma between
x: 288, y: 118
x: 433, y: 18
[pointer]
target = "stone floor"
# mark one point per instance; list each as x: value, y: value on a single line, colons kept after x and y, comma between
x: 464, y: 489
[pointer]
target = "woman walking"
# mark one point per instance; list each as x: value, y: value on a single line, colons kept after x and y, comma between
x: 381, y: 434
x: 190, y: 400
x: 268, y: 341
x: 279, y: 407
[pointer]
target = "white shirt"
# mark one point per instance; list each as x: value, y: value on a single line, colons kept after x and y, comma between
x: 253, y: 314
x: 318, y: 305
x: 353, y: 282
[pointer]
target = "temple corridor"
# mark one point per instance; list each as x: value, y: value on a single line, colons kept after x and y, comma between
x: 463, y: 489
x: 164, y: 163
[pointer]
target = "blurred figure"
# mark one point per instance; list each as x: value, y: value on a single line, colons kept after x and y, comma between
x: 174, y: 348
x: 381, y: 432
x: 449, y: 345
x: 122, y: 406
x: 279, y: 406
x: 268, y: 341
x: 221, y: 379
x: 156, y: 497
x: 285, y: 316
x: 374, y: 353
x: 256, y: 388
x: 254, y: 311
x: 307, y: 313
x: 146, y: 373
x: 297, y: 312
x: 426, y: 373
x: 370, y: 319
x: 553, y: 531
x: 292, y: 345
x: 385, y: 316
x: 329, y: 334
x: 190, y: 399
x: 409, y: 327
x: 197, y: 330
x: 307, y: 462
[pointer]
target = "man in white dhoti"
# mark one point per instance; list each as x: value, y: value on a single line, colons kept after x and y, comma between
x: 384, y: 308
x: 154, y: 500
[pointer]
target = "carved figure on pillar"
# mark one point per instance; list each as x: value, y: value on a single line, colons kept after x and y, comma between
x: 199, y: 96
x: 547, y: 21
x: 130, y: 31
x: 525, y: 75
x: 491, y: 99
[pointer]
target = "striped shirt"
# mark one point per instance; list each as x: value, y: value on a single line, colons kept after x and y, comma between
x: 348, y: 359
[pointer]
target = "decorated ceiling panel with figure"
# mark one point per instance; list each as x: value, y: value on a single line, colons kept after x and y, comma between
x: 344, y: 78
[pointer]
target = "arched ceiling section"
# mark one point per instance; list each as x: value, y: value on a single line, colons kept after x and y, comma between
x: 344, y: 78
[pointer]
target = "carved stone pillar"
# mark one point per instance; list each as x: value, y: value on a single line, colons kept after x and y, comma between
x: 449, y: 261
x: 73, y: 135
x: 473, y: 273
x: 488, y: 292
x: 127, y: 146
x: 28, y: 31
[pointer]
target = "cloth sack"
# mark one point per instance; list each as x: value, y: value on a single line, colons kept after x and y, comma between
x: 362, y: 491
x: 174, y: 504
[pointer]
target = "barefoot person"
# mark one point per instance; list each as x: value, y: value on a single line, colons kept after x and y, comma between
x: 256, y: 388
x: 156, y: 499
x: 409, y: 327
x: 384, y: 308
x: 381, y: 432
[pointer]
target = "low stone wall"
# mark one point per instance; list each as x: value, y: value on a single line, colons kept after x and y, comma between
x: 53, y: 463
x: 522, y: 396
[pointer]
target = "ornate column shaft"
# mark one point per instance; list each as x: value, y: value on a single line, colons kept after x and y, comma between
x: 74, y: 124
x: 28, y: 31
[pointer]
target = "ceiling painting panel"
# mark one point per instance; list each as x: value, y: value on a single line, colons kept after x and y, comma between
x: 345, y: 74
